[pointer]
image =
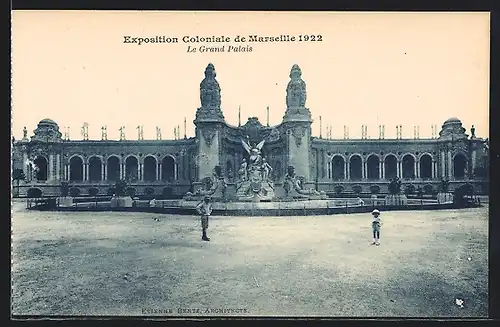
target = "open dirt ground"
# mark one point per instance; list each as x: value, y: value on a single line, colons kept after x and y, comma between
x: 131, y: 264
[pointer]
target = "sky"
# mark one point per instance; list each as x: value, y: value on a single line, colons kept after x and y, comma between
x: 409, y: 69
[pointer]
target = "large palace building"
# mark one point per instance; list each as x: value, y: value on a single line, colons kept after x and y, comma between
x: 174, y: 167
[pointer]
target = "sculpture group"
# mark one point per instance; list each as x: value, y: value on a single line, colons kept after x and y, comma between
x: 254, y: 176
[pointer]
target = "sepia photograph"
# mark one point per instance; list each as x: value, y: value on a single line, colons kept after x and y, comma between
x: 250, y: 164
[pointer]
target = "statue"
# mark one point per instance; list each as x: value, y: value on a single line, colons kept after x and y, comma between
x: 25, y: 133
x: 395, y: 186
x: 254, y: 152
x: 294, y: 187
x: 253, y: 182
x: 242, y: 172
x: 296, y: 89
x: 213, y: 186
x: 473, y: 132
x: 210, y: 89
x: 266, y: 170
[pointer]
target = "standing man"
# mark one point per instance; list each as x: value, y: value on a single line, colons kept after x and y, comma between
x: 205, y: 210
x: 376, y: 227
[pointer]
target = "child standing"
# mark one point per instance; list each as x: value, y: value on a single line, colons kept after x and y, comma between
x: 205, y: 210
x: 376, y: 227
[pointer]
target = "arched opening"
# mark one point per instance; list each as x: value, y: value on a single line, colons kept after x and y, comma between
x: 373, y: 167
x: 95, y: 169
x: 34, y: 193
x: 150, y: 169
x: 131, y: 169
x: 408, y: 165
x: 355, y: 168
x: 168, y: 169
x: 338, y: 168
x: 459, y: 166
x: 42, y: 168
x: 390, y: 167
x: 426, y: 166
x: 76, y: 169
x: 113, y: 165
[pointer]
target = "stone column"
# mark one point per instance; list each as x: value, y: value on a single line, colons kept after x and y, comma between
x: 345, y: 170
x: 348, y: 170
x: 380, y: 170
x: 363, y: 169
x: 25, y: 166
x: 473, y: 161
x: 415, y: 168
x: 105, y: 171
x: 156, y: 170
x: 160, y: 169
x: 398, y: 168
x: 383, y: 169
x: 141, y: 171
x: 450, y: 166
x: 58, y: 166
x: 175, y: 170
x: 123, y: 171
x: 86, y: 170
x: 103, y: 175
x: 50, y: 170
x: 139, y: 166
x: 443, y: 165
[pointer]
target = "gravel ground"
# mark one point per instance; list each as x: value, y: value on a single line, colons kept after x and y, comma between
x: 131, y: 264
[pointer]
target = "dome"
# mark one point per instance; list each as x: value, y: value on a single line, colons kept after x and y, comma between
x: 452, y: 120
x: 47, y: 121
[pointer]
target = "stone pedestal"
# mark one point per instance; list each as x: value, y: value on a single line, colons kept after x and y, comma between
x: 264, y: 191
x: 230, y: 192
x: 396, y: 200
x: 445, y: 197
x: 65, y: 201
x: 121, y: 202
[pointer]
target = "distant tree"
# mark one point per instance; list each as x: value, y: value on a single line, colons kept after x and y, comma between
x: 17, y: 176
x: 130, y: 191
x: 444, y: 186
x: 428, y: 189
x: 461, y: 193
x: 395, y: 186
x: 93, y: 191
x: 149, y: 191
x: 357, y: 189
x: 74, y: 191
x: 410, y: 189
x: 120, y: 187
x: 374, y: 189
x: 64, y: 188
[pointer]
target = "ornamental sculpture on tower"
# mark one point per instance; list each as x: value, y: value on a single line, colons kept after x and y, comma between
x: 296, y: 90
x: 209, y: 96
x: 210, y: 89
x: 296, y: 96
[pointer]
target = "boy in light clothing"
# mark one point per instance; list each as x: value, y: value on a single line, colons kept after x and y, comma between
x: 205, y: 210
x: 376, y: 227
